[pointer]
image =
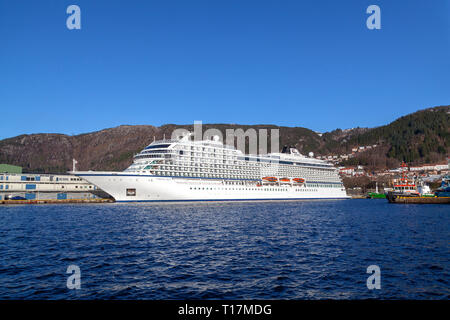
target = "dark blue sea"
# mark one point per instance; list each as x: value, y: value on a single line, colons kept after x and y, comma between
x: 234, y: 250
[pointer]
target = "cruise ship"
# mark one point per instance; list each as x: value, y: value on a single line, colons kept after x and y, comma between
x: 183, y: 169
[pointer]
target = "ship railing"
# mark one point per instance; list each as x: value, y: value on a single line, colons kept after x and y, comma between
x: 203, y: 142
x: 165, y: 141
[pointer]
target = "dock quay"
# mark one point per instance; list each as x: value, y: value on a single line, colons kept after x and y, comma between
x: 420, y: 200
x: 56, y: 201
x: 358, y: 196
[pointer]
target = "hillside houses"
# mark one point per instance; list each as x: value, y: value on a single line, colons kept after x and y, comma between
x: 439, y: 168
x: 342, y: 157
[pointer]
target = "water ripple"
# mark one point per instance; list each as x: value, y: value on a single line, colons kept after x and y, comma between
x: 290, y: 250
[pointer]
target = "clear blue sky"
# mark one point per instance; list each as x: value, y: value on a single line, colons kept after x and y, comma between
x: 296, y: 63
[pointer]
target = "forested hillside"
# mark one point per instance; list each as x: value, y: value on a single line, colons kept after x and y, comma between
x: 415, y: 138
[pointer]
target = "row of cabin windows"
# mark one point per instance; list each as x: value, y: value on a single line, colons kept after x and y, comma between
x: 218, y: 174
x: 213, y: 159
x: 186, y: 151
x: 243, y: 165
x: 186, y: 166
x: 251, y: 189
x: 213, y: 152
x: 206, y: 149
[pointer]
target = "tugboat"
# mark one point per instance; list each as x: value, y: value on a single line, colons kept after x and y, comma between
x: 404, y: 188
x: 407, y: 193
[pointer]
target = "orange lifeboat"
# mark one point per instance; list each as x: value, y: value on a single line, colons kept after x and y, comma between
x: 285, y: 180
x: 270, y: 179
x: 299, y: 180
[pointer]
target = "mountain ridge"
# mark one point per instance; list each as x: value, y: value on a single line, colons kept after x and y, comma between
x: 419, y: 137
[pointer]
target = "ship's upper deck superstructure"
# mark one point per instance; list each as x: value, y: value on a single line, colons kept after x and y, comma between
x: 212, y: 159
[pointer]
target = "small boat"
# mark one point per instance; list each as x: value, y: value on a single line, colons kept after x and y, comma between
x: 285, y: 180
x: 376, y: 194
x: 299, y: 180
x: 270, y: 179
x: 444, y: 189
x: 424, y: 189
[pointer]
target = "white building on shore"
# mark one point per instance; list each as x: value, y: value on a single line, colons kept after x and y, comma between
x: 45, y: 187
x: 429, y: 167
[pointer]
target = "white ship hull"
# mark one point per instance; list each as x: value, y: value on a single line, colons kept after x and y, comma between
x: 126, y: 187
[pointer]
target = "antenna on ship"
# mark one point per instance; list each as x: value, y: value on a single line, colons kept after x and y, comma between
x: 153, y: 138
x: 74, y: 162
x: 164, y: 136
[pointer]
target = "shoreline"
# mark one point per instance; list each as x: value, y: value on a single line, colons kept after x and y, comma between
x: 55, y: 201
